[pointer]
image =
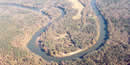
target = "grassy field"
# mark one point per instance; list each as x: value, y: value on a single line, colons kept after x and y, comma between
x: 17, y: 26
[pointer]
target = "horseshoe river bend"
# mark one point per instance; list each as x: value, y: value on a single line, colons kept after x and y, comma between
x: 37, y: 50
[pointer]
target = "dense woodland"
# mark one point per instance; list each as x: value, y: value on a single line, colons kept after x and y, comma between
x: 117, y: 13
x: 116, y: 51
x: 67, y: 35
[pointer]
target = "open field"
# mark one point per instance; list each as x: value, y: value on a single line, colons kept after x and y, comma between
x: 78, y: 6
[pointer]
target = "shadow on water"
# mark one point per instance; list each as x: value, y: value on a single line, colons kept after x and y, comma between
x: 104, y: 26
x: 45, y: 13
x: 62, y: 10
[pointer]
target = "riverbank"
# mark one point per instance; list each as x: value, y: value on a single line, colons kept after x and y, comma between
x: 99, y: 43
x: 63, y: 36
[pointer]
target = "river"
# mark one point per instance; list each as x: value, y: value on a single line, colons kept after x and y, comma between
x: 99, y: 44
x: 37, y: 50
